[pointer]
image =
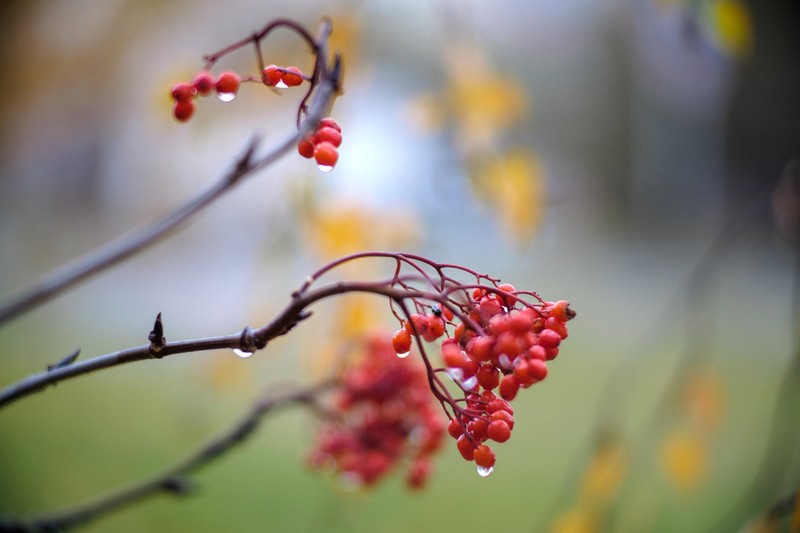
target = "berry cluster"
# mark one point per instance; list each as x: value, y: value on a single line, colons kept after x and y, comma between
x: 204, y: 84
x: 383, y: 412
x: 323, y: 144
x: 500, y: 343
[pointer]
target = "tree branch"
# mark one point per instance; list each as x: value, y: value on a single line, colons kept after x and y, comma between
x: 247, y: 164
x: 172, y: 479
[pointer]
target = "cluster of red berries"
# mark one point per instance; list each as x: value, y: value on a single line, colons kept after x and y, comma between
x: 204, y: 84
x: 282, y: 77
x: 503, y: 344
x: 323, y: 144
x: 384, y: 412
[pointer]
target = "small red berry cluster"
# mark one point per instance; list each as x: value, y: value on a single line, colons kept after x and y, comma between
x: 204, y: 84
x: 323, y: 144
x: 383, y: 412
x: 499, y: 343
x: 282, y: 77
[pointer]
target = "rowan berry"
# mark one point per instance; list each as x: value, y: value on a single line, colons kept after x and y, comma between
x: 505, y: 416
x: 435, y: 328
x: 455, y: 428
x: 509, y: 387
x: 401, y: 341
x: 183, y: 110
x: 326, y: 134
x: 183, y: 91
x: 498, y: 431
x: 271, y: 75
x: 419, y: 473
x: 329, y: 122
x: 292, y: 76
x: 484, y: 456
x: 306, y: 148
x: 465, y: 448
x: 204, y: 83
x: 326, y: 155
x: 549, y: 339
x: 417, y: 324
x: 228, y: 83
x: 488, y: 376
x: 480, y: 348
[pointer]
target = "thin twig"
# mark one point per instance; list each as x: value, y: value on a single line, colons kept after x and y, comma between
x: 172, y: 479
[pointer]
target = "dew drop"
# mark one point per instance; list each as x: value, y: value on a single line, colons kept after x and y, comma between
x: 325, y: 168
x: 242, y: 353
x: 470, y: 383
x: 485, y: 471
x: 455, y: 373
x: 403, y: 355
x: 281, y: 85
x: 504, y: 361
x: 226, y: 97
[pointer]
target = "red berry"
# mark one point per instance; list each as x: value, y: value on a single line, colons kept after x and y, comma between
x: 499, y: 405
x: 549, y: 339
x: 477, y: 429
x: 417, y: 324
x: 509, y: 387
x: 183, y: 110
x: 306, y: 148
x: 455, y: 429
x: 329, y: 122
x: 488, y: 377
x: 419, y: 473
x: 228, y: 83
x: 435, y: 328
x: 505, y: 416
x: 330, y: 135
x: 271, y: 75
x: 498, y: 431
x: 452, y: 356
x: 183, y: 91
x: 326, y: 154
x: 484, y: 456
x: 204, y: 83
x: 401, y: 341
x: 480, y: 348
x: 292, y: 76
x: 465, y: 448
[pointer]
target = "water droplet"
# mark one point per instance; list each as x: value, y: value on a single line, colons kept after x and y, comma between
x: 455, y: 373
x: 485, y: 471
x: 403, y: 355
x: 325, y: 168
x: 281, y: 85
x: 470, y: 383
x: 242, y: 353
x: 226, y: 97
x: 504, y: 361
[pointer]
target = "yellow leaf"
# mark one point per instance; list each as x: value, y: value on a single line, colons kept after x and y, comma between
x: 512, y: 185
x: 684, y: 459
x: 733, y: 26
x: 705, y: 398
x: 575, y: 520
x: 604, y: 475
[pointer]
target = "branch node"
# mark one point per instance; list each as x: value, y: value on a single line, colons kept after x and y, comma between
x: 65, y: 361
x: 337, y: 73
x: 156, y: 338
x: 248, y: 342
x: 178, y: 485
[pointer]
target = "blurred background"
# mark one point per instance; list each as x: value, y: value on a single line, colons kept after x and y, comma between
x: 637, y: 158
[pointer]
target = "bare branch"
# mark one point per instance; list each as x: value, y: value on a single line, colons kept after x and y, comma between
x: 174, y: 478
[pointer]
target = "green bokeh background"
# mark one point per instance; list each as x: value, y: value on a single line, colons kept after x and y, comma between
x: 646, y: 155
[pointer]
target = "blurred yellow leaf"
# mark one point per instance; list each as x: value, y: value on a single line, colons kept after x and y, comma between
x: 575, y: 520
x: 684, y: 459
x: 604, y: 475
x: 512, y: 185
x: 733, y: 27
x: 705, y: 398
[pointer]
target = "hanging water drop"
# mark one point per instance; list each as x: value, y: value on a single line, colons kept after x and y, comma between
x: 325, y: 168
x: 403, y: 355
x: 485, y: 471
x: 241, y: 353
x: 470, y: 383
x: 281, y: 85
x: 226, y: 97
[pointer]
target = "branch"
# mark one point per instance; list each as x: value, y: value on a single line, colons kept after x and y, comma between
x: 172, y: 479
x: 247, y: 164
x: 248, y: 340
